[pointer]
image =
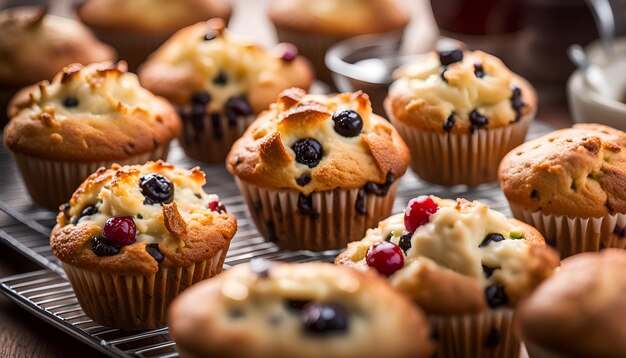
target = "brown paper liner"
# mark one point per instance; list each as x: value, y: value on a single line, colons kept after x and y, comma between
x: 275, y: 214
x: 469, y: 158
x: 209, y: 145
x: 540, y: 352
x: 474, y: 335
x: 51, y: 183
x: 133, y: 48
x: 133, y: 302
x: 575, y: 235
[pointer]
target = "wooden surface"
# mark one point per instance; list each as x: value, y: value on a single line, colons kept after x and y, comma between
x: 23, y: 335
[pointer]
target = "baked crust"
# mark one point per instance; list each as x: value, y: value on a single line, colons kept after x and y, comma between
x: 185, y: 232
x: 437, y: 288
x: 580, y: 311
x: 263, y: 155
x: 114, y: 119
x: 339, y: 18
x: 162, y: 17
x: 252, y: 316
x: 187, y: 64
x: 36, y: 45
x: 576, y: 172
x: 420, y: 98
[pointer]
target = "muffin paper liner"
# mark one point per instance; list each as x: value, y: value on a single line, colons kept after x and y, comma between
x: 212, y: 142
x: 469, y: 158
x: 540, y: 352
x: 133, y: 302
x: 486, y: 334
x: 131, y: 47
x: 575, y: 235
x: 275, y: 213
x: 51, y: 183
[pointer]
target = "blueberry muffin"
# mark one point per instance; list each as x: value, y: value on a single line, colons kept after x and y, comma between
x: 580, y: 311
x: 314, y: 26
x: 137, y: 28
x: 218, y: 83
x: 569, y: 184
x: 132, y: 238
x: 271, y: 309
x: 460, y: 112
x: 35, y: 46
x: 87, y: 117
x: 317, y: 171
x: 464, y: 264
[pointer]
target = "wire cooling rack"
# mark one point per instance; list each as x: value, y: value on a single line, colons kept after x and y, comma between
x: 47, y: 294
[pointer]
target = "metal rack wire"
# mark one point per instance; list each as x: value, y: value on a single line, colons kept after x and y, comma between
x: 47, y: 293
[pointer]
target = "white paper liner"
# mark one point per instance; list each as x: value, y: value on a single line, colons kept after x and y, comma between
x: 575, y: 235
x: 468, y: 335
x: 51, y: 183
x: 206, y: 146
x: 275, y: 213
x: 470, y: 158
x: 134, y: 302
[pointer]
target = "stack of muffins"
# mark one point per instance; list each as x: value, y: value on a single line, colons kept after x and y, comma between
x: 317, y: 172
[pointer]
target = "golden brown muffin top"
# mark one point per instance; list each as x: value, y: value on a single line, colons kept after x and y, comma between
x: 149, y: 16
x: 580, y: 311
x: 300, y: 144
x: 339, y: 17
x: 35, y: 46
x: 459, y: 91
x: 465, y: 258
x: 265, y: 309
x: 206, y: 58
x: 95, y: 112
x: 187, y: 225
x: 577, y: 172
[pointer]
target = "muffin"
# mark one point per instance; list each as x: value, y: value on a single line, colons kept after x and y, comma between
x: 88, y: 117
x: 579, y: 312
x: 569, y: 184
x: 314, y: 26
x: 464, y: 264
x: 218, y: 82
x: 137, y: 28
x: 133, y: 237
x: 265, y: 309
x: 460, y: 112
x: 317, y: 171
x: 35, y: 46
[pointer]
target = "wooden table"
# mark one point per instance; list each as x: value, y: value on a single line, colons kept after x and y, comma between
x: 23, y: 335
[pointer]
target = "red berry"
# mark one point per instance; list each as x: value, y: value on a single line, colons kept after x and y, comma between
x: 119, y: 231
x: 213, y: 205
x: 418, y: 212
x: 385, y: 257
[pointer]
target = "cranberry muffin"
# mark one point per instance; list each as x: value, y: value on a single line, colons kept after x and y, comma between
x: 87, y: 117
x: 36, y: 45
x: 132, y: 238
x: 460, y: 112
x: 137, y: 28
x: 218, y: 82
x: 316, y: 171
x: 464, y: 264
x: 569, y: 184
x: 265, y: 309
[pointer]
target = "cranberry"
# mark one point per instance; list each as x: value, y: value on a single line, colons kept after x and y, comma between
x: 449, y: 57
x: 418, y: 212
x: 321, y: 318
x: 156, y: 189
x: 102, y: 248
x: 289, y: 52
x: 119, y: 231
x: 217, y: 206
x: 308, y: 151
x: 385, y: 257
x: 348, y: 123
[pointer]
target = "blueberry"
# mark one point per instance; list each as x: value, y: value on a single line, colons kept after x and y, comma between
x: 235, y: 107
x: 87, y: 211
x: 493, y: 338
x: 65, y: 208
x: 359, y: 204
x: 305, y: 206
x: 153, y: 250
x: 308, y: 152
x: 70, y: 102
x: 303, y: 179
x: 477, y: 120
x: 296, y: 305
x: 619, y: 231
x: 449, y: 57
x: 156, y: 189
x: 101, y: 248
x: 496, y: 296
x: 488, y: 271
x: 442, y: 74
x: 449, y: 122
x: 348, y: 123
x: 221, y: 79
x: 200, y: 97
x: 380, y: 189
x: 517, y: 102
x: 211, y: 35
x: 405, y: 241
x: 478, y: 70
x: 324, y: 318
x: 491, y: 237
